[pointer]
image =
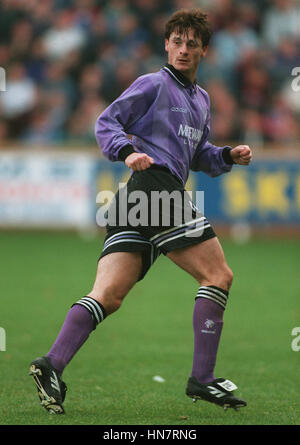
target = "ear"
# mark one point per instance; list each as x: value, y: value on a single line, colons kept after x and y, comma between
x: 167, y: 45
x: 204, y: 51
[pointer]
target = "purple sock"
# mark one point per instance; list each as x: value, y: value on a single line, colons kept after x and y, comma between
x: 207, y: 323
x: 77, y: 327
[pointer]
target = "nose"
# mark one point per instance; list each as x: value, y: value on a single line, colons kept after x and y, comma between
x: 183, y: 49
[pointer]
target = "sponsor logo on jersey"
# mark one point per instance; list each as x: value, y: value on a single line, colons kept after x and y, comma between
x: 190, y: 133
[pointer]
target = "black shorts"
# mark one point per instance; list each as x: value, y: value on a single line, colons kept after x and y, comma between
x: 153, y: 214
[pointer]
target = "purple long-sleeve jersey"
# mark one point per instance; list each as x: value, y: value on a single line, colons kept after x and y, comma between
x: 168, y: 119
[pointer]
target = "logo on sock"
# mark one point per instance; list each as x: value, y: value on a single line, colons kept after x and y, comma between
x: 208, y: 324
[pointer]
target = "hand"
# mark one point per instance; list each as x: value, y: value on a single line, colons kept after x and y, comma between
x: 241, y: 154
x: 138, y: 161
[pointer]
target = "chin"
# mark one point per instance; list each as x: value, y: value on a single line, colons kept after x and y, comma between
x: 181, y: 67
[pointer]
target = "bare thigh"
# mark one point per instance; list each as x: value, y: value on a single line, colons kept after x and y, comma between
x: 205, y: 262
x: 116, y: 274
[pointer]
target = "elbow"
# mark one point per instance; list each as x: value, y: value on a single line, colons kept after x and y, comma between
x: 98, y: 127
x: 99, y: 132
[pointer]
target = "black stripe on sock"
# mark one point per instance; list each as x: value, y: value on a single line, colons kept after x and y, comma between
x: 95, y: 308
x: 213, y: 293
x: 221, y: 290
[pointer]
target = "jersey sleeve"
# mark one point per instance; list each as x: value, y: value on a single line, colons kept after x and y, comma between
x: 209, y: 158
x: 114, y: 124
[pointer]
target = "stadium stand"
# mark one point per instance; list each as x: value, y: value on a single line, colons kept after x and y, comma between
x: 65, y: 60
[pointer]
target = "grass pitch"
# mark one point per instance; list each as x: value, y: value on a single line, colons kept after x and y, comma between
x: 110, y: 380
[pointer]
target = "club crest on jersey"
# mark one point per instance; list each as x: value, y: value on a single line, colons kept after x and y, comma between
x: 190, y: 133
x: 179, y: 109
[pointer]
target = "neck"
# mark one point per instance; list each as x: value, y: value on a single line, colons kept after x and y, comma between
x: 184, y: 77
x: 191, y: 77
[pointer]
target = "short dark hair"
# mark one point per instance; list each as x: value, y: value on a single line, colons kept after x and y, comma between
x: 184, y: 19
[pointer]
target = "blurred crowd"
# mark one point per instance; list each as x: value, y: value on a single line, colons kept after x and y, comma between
x: 66, y: 60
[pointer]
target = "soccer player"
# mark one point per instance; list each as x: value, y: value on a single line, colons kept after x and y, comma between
x: 167, y: 115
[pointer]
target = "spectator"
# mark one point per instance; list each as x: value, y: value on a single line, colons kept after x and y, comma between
x: 91, y: 80
x: 64, y: 37
x: 66, y: 57
x: 211, y: 69
x: 146, y: 11
x: 81, y: 127
x: 281, y: 21
x: 130, y: 35
x: 280, y: 125
x: 233, y: 42
x: 223, y: 112
x: 40, y: 131
x: 126, y: 73
x: 157, y: 32
x: 231, y: 45
x: 41, y: 16
x: 56, y: 78
x: 37, y: 62
x: 248, y: 14
x: 254, y: 91
x: 19, y: 99
x: 84, y: 13
x: 20, y: 45
x: 252, y: 131
x: 285, y: 57
x: 292, y: 97
x: 114, y: 10
x: 147, y: 60
x: 4, y: 55
x: 3, y: 134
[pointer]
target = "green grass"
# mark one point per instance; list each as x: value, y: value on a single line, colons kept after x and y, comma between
x: 110, y: 379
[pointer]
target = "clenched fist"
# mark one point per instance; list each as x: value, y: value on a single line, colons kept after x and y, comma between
x: 241, y: 154
x: 138, y: 161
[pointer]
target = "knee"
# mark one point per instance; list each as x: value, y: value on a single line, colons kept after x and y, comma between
x: 220, y: 276
x: 110, y: 297
x: 227, y: 277
x: 224, y: 277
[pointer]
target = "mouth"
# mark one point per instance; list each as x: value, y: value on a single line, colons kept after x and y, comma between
x: 183, y: 62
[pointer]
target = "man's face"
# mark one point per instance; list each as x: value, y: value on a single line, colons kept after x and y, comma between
x: 184, y: 52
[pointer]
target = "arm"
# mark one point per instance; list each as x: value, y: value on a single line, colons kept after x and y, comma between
x: 113, y: 125
x: 241, y: 154
x: 211, y: 159
x: 215, y: 160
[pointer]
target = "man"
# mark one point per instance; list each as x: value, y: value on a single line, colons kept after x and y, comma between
x: 168, y: 115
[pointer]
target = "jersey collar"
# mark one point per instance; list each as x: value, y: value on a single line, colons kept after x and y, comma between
x: 178, y: 76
